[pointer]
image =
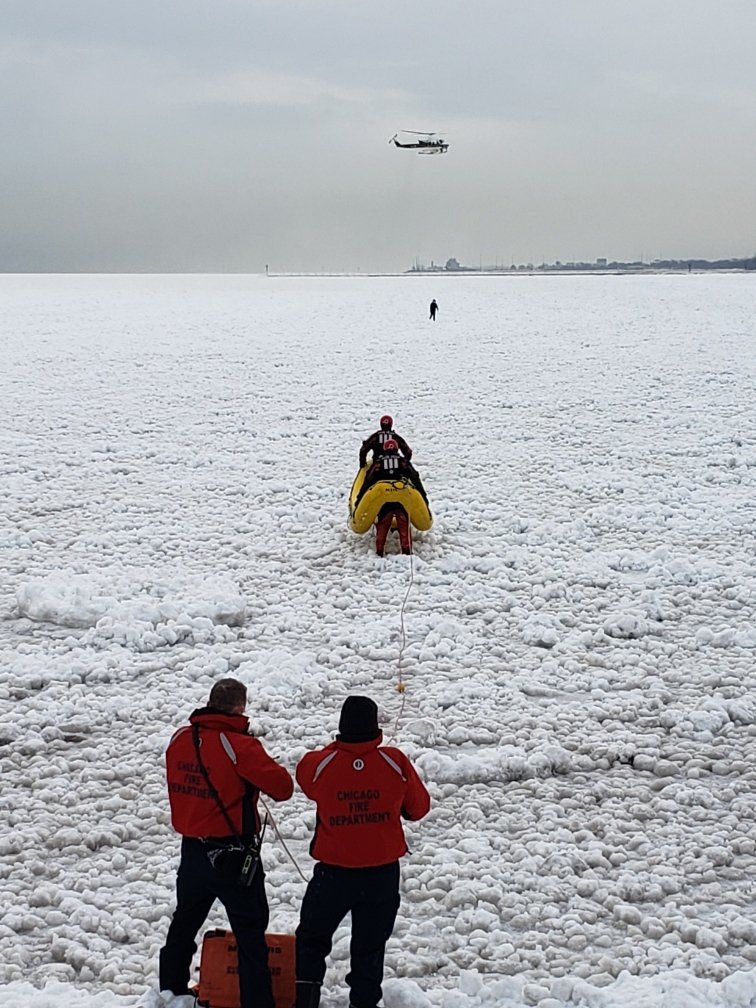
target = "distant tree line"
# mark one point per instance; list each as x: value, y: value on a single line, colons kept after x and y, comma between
x: 600, y: 265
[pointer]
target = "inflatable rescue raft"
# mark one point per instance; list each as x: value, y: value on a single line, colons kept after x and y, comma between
x: 364, y: 510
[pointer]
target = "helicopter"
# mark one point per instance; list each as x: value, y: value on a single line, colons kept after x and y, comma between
x: 431, y: 143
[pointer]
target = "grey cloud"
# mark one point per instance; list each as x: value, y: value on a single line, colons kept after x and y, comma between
x: 225, y: 135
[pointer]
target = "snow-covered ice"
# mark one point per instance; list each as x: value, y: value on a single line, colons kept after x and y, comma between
x: 580, y: 653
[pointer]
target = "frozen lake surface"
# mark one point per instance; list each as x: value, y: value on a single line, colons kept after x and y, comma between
x: 580, y: 654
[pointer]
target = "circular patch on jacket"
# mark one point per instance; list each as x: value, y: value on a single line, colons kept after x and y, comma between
x: 358, y: 764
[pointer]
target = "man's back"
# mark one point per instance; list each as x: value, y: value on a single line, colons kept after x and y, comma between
x: 235, y: 762
x: 362, y: 790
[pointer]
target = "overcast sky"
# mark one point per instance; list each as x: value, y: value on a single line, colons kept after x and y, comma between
x: 230, y: 134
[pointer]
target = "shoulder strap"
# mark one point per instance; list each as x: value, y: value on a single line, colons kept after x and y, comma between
x: 213, y: 793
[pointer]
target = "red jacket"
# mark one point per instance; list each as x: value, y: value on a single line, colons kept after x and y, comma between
x: 362, y: 790
x: 238, y: 766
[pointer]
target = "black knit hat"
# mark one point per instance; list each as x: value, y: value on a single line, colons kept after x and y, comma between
x: 359, y: 720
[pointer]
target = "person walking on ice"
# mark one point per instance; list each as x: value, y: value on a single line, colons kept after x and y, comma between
x: 363, y: 790
x: 433, y: 310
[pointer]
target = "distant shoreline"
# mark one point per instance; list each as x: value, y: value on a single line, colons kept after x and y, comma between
x: 647, y: 271
x: 427, y: 274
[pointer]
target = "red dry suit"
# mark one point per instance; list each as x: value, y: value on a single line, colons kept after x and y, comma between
x: 389, y: 514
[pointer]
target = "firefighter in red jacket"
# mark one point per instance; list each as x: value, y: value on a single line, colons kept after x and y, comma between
x: 362, y: 790
x: 215, y: 772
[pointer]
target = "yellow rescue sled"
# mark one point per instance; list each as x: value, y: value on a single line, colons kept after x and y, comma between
x: 363, y: 512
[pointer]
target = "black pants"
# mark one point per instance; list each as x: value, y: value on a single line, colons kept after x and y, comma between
x: 372, y: 896
x: 198, y: 885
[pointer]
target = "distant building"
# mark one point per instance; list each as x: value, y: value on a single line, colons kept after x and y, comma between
x: 452, y: 265
x: 601, y: 262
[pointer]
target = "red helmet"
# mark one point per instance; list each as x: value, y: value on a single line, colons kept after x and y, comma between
x: 387, y: 422
x: 390, y: 446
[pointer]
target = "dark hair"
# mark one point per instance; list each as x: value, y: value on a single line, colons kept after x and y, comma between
x: 227, y: 694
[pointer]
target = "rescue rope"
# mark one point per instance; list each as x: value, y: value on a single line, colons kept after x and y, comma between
x: 281, y: 840
x: 401, y: 687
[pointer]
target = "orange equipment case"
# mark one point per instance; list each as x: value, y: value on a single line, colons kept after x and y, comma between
x: 219, y: 970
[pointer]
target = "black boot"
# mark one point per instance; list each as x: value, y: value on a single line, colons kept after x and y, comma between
x: 308, y: 994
